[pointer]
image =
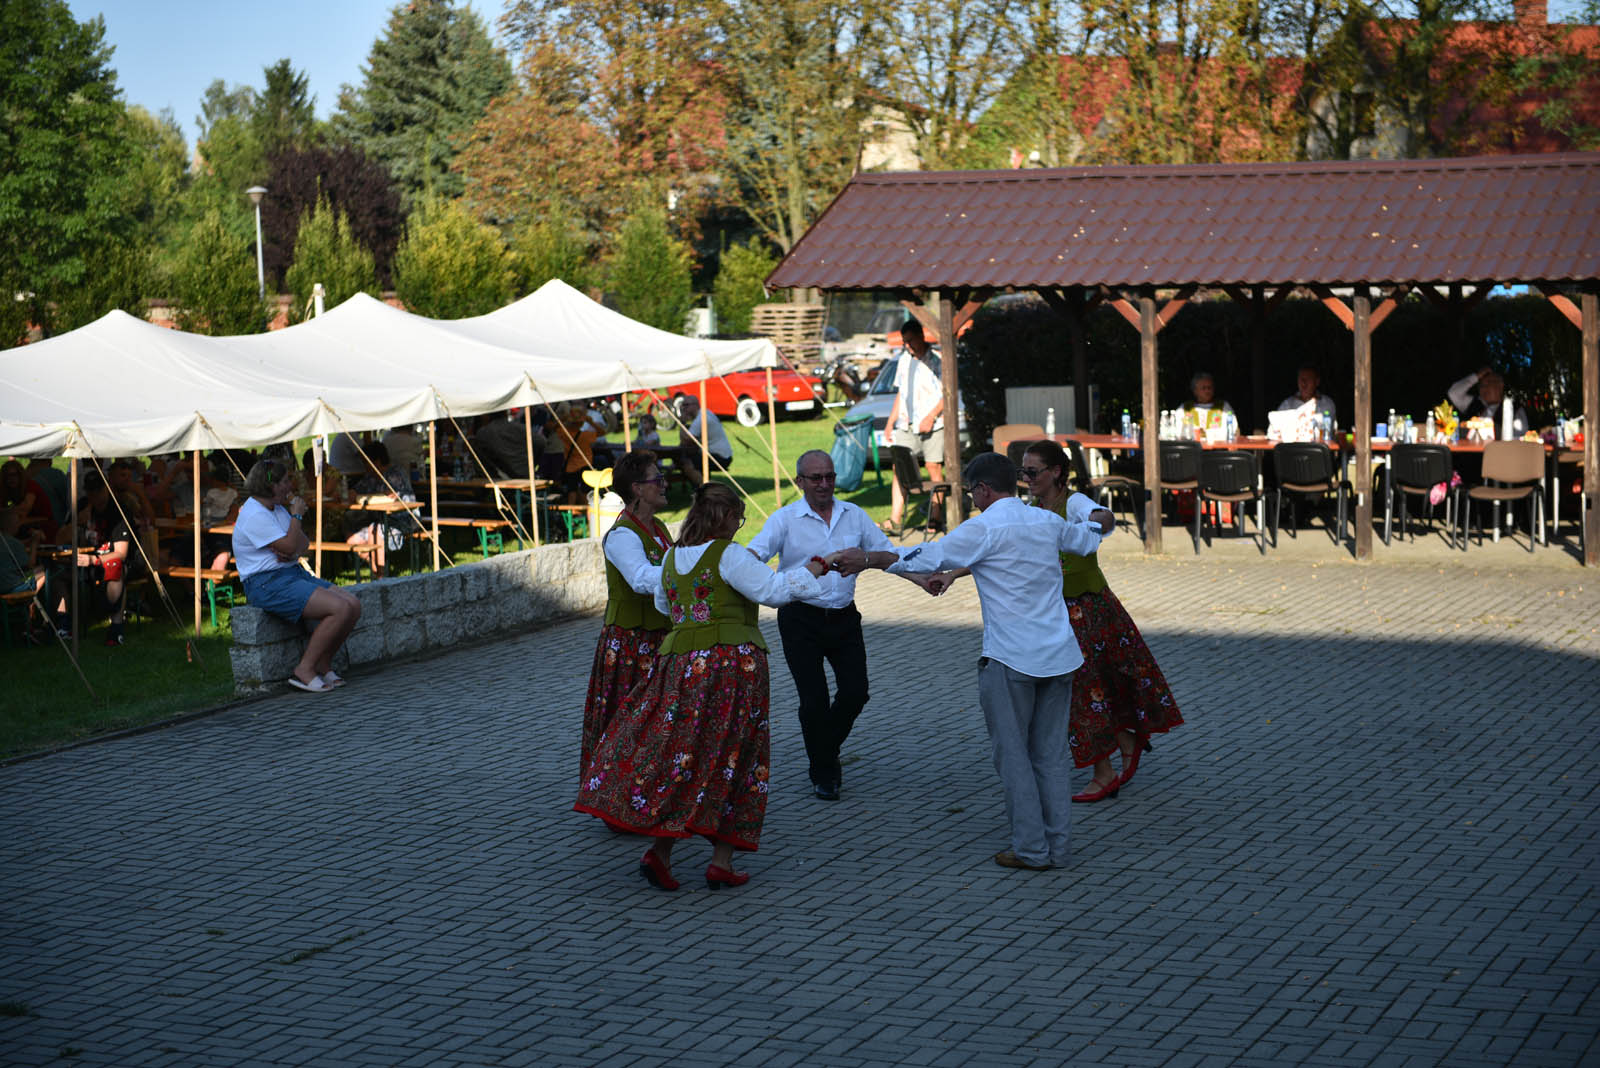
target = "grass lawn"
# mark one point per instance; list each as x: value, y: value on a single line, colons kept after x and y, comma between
x: 152, y: 677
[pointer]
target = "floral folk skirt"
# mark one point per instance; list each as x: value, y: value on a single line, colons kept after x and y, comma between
x: 622, y: 659
x: 688, y: 750
x: 1119, y: 686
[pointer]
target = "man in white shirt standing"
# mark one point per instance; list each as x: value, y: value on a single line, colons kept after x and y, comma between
x: 825, y: 627
x: 1029, y: 649
x: 916, y: 418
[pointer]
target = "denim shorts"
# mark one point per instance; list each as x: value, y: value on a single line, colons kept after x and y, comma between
x: 283, y: 591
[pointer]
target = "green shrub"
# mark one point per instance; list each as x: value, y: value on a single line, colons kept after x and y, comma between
x: 326, y: 251
x: 648, y: 273
x: 550, y: 249
x: 214, y: 287
x: 739, y: 286
x: 450, y: 266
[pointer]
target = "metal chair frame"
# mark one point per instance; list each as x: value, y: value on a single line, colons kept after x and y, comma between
x: 1233, y: 476
x: 1512, y: 471
x: 1307, y: 469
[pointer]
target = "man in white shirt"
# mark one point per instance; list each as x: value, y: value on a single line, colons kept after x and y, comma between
x: 1029, y: 649
x: 916, y: 418
x: 1308, y: 385
x: 825, y: 627
x: 703, y: 425
x: 1490, y: 401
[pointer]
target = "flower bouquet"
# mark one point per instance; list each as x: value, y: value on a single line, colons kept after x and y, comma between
x: 1445, y: 421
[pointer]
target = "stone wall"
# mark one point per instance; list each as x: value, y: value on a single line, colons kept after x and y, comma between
x: 402, y: 617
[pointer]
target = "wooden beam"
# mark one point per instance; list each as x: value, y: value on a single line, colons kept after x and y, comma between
x: 1152, y: 428
x: 1127, y: 311
x: 1361, y: 327
x: 1337, y: 306
x: 1591, y: 423
x: 952, y: 418
x: 1563, y: 304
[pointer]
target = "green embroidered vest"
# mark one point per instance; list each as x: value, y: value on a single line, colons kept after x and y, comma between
x: 1079, y: 574
x: 706, y: 611
x: 625, y: 606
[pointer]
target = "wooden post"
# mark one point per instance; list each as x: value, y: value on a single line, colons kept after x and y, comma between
x: 627, y: 437
x: 317, y: 460
x: 433, y: 485
x: 1361, y: 312
x: 951, y: 383
x: 1149, y: 408
x: 533, y: 493
x: 1590, y: 301
x: 1077, y: 335
x: 705, y: 448
x: 199, y: 563
x: 72, y: 519
x: 772, y: 427
x: 1258, y: 356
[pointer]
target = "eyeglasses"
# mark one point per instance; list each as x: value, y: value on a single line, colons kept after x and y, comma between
x: 741, y: 520
x: 659, y: 480
x: 1031, y: 473
x: 828, y: 477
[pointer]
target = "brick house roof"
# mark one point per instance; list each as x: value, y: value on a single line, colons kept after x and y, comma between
x: 1481, y: 219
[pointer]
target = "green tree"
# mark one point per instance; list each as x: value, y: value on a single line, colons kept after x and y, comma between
x: 450, y: 266
x: 326, y: 251
x: 285, y: 116
x: 948, y: 60
x: 740, y: 285
x: 648, y: 274
x: 64, y: 147
x: 213, y: 286
x: 547, y: 249
x: 428, y: 79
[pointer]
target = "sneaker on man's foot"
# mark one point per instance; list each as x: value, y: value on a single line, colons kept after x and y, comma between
x: 114, y: 635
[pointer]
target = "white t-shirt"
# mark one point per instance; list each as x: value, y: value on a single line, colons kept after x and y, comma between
x: 254, y: 530
x: 925, y: 390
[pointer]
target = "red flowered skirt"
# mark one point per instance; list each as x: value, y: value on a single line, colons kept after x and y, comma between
x: 622, y: 659
x: 688, y: 751
x: 1119, y: 686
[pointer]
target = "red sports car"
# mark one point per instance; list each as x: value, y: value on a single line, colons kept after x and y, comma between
x: 743, y: 395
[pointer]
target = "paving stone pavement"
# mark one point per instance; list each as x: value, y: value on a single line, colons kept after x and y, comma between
x: 1373, y: 842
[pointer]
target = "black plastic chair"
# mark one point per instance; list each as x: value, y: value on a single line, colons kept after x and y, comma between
x: 1234, y: 477
x: 1180, y: 472
x: 1307, y: 470
x: 908, y: 473
x: 1413, y: 472
x: 1106, y: 488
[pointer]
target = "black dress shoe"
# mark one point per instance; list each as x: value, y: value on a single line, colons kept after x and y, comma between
x: 826, y: 791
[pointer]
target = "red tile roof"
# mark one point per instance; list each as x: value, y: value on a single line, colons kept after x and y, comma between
x: 1491, y: 218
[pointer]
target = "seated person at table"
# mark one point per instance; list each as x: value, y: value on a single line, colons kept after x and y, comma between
x: 106, y: 529
x: 649, y: 436
x: 1205, y: 409
x: 19, y: 556
x: 19, y: 491
x: 502, y: 444
x: 1308, y: 389
x: 1490, y: 401
x: 577, y: 438
x: 405, y: 448
x: 383, y: 481
x: 345, y: 454
x: 702, y: 425
x: 56, y: 486
x: 127, y: 481
x: 268, y: 541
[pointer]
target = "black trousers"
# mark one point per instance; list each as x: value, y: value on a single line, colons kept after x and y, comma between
x: 812, y: 635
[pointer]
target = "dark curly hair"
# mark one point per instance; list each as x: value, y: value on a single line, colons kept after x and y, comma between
x: 629, y: 470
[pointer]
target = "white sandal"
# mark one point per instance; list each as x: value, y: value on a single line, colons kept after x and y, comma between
x: 316, y: 685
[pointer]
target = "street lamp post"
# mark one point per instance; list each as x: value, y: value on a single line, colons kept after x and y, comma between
x: 256, y: 192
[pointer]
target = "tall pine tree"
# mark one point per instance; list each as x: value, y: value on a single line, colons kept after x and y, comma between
x: 427, y: 81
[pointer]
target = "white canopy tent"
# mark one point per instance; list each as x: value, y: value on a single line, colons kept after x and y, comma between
x: 121, y: 386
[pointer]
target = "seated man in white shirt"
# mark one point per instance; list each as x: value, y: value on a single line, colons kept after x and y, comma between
x: 1307, y: 390
x: 707, y: 426
x: 1490, y: 401
x: 1029, y: 649
x: 826, y: 627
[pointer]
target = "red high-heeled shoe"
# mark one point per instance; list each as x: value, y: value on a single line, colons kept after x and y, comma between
x: 655, y: 870
x: 1141, y: 744
x: 1089, y: 797
x: 717, y: 878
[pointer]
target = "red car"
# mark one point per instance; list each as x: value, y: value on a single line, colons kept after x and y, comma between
x: 743, y: 395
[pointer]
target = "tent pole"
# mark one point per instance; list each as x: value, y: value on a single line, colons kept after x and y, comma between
x: 533, y: 492
x: 316, y: 465
x: 433, y: 486
x: 626, y: 437
x: 72, y: 516
x: 705, y: 449
x: 199, y: 562
x: 772, y: 427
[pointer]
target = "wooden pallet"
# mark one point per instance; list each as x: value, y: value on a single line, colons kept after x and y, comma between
x: 795, y: 328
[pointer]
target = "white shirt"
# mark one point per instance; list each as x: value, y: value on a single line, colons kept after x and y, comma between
x: 920, y: 389
x: 1319, y: 404
x: 752, y: 578
x: 1012, y: 550
x: 625, y: 552
x: 717, y: 443
x: 1460, y: 395
x: 254, y: 530
x: 796, y: 533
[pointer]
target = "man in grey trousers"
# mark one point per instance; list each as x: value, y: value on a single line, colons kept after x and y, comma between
x: 1012, y: 549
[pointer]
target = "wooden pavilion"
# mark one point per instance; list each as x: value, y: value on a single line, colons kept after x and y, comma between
x: 1360, y: 235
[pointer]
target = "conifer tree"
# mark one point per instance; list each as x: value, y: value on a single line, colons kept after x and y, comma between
x: 325, y: 251
x: 450, y: 266
x: 214, y: 284
x: 648, y: 273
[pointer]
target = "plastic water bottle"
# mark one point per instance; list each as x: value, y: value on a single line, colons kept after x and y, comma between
x: 1431, y: 430
x: 1411, y: 432
x: 1507, y: 431
x: 1127, y: 424
x: 1394, y: 427
x: 1049, y: 422
x: 1561, y: 432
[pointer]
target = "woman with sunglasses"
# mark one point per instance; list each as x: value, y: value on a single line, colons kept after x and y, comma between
x: 687, y: 753
x: 1119, y: 696
x: 626, y: 652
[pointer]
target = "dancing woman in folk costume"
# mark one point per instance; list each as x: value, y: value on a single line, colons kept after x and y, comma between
x: 1119, y: 696
x: 688, y: 751
x: 633, y: 628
